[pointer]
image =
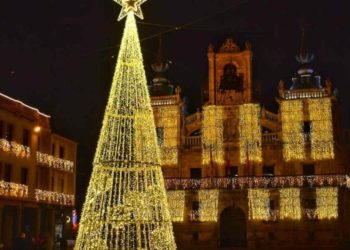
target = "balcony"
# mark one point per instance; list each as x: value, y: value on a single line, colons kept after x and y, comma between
x: 54, y: 197
x: 164, y: 100
x: 269, y: 138
x: 54, y: 162
x: 14, y: 148
x: 192, y: 141
x: 292, y: 94
x: 10, y: 189
x: 237, y: 183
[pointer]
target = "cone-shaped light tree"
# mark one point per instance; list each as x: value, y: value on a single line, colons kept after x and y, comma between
x: 126, y: 205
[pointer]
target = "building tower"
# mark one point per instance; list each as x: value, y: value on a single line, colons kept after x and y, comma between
x: 126, y: 205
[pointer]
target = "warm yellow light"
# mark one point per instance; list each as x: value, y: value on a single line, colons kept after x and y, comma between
x: 327, y: 202
x: 14, y: 148
x: 290, y: 207
x: 126, y: 204
x: 176, y: 200
x: 167, y: 119
x: 249, y: 133
x: 208, y: 205
x: 213, y: 135
x: 320, y: 110
x: 130, y: 6
x: 37, y: 129
x: 292, y: 116
x: 258, y: 201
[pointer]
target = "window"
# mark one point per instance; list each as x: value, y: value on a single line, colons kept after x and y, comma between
x: 160, y: 135
x: 196, y: 173
x: 195, y: 205
x: 195, y: 236
x: 271, y: 235
x: 53, y: 149
x: 308, y: 169
x: 1, y: 129
x: 24, y: 175
x: 61, y: 152
x: 61, y: 184
x: 272, y: 204
x: 9, y: 132
x: 232, y: 171
x: 268, y: 170
x: 1, y: 171
x: 311, y: 236
x: 307, y: 127
x: 26, y: 136
x: 310, y: 204
x: 8, y: 172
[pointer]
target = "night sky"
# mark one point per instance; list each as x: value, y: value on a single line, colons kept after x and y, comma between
x: 59, y: 55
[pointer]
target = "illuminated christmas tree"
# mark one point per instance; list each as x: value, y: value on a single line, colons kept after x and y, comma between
x: 126, y: 204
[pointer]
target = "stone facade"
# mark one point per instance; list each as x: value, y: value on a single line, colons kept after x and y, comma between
x: 314, y: 222
x: 37, y: 175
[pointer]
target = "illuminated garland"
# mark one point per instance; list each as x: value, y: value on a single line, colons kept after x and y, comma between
x: 258, y: 201
x: 292, y: 116
x: 54, y: 197
x: 126, y: 204
x: 13, y: 189
x: 18, y: 150
x: 168, y: 120
x: 327, y: 203
x: 249, y: 133
x: 176, y: 200
x: 290, y: 203
x: 258, y: 182
x: 54, y: 162
x: 320, y: 111
x: 213, y: 135
x: 208, y: 208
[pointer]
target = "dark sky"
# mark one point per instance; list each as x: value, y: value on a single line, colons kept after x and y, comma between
x: 59, y: 55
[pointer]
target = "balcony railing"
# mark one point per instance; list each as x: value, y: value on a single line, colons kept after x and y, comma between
x: 54, y: 162
x: 258, y: 182
x: 269, y: 138
x: 193, y: 141
x: 15, y: 190
x: 54, y: 197
x: 305, y: 94
x: 18, y: 150
x: 164, y: 100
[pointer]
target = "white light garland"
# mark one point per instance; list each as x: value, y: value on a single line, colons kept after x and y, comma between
x: 54, y: 197
x: 16, y: 149
x: 13, y: 189
x: 54, y: 162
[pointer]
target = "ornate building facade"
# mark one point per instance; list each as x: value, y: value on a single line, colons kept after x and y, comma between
x: 37, y: 175
x: 242, y: 177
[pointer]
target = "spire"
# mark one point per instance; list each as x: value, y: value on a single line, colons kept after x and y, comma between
x: 161, y: 65
x: 303, y: 57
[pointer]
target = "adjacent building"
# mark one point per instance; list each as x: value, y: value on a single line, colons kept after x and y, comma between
x: 37, y: 174
x: 242, y: 177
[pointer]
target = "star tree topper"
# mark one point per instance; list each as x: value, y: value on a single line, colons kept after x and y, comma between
x: 130, y: 6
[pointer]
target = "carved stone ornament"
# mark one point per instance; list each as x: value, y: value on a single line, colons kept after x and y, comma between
x: 229, y: 46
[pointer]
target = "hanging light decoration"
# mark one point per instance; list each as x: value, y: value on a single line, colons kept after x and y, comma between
x: 320, y: 110
x: 208, y: 208
x: 176, y: 200
x: 168, y: 120
x: 213, y: 135
x: 327, y: 202
x: 258, y: 201
x: 292, y: 116
x: 290, y: 207
x: 126, y: 204
x: 250, y: 133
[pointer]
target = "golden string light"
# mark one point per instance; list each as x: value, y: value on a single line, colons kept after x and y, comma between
x: 176, y: 200
x: 320, y: 110
x: 54, y: 162
x: 126, y: 204
x: 129, y: 6
x: 327, y: 202
x: 292, y: 116
x: 290, y: 207
x: 213, y: 135
x: 16, y: 149
x: 250, y: 133
x: 13, y: 189
x: 258, y: 201
x: 168, y: 121
x: 54, y: 197
x: 208, y: 205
